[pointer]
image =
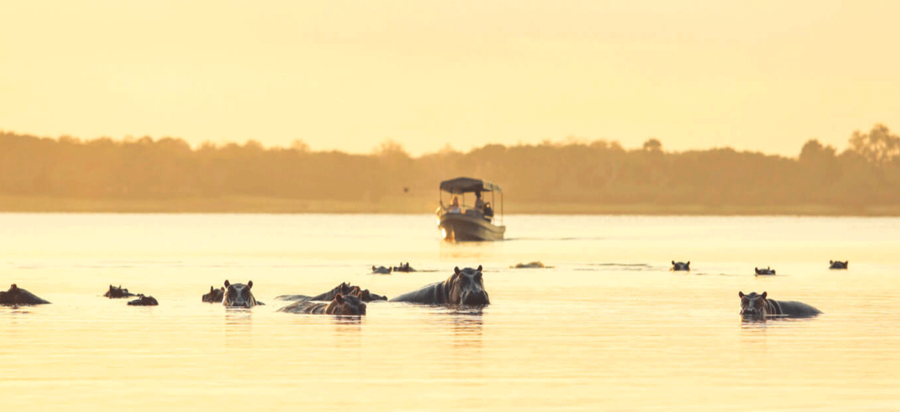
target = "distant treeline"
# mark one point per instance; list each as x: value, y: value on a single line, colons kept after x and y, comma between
x: 867, y: 173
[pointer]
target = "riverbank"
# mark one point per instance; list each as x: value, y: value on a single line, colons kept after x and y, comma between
x: 240, y: 204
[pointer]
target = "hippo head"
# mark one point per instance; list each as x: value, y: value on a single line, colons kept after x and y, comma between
x: 366, y: 296
x: 466, y: 287
x: 754, y: 305
x: 346, y: 305
x: 10, y: 295
x: 837, y: 264
x: 681, y: 265
x: 214, y: 295
x: 238, y: 294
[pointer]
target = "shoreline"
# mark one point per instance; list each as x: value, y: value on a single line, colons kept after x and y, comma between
x: 405, y: 205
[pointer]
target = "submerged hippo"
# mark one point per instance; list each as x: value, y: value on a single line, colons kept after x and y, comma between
x: 381, y: 270
x: 143, y: 301
x: 757, y: 306
x: 403, y: 268
x: 214, y: 295
x: 341, y: 305
x: 343, y: 289
x: 239, y: 294
x: 15, y: 296
x: 766, y: 271
x: 117, y: 292
x: 837, y: 264
x: 681, y: 266
x: 464, y: 287
x: 531, y: 265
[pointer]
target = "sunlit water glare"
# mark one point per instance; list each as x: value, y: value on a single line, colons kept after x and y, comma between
x: 609, y: 327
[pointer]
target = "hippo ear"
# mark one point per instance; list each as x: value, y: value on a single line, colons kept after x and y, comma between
x: 339, y: 298
x: 673, y: 263
x: 13, y: 287
x: 741, y: 295
x: 688, y: 264
x: 250, y: 284
x: 764, y: 295
x: 831, y: 262
x: 456, y: 270
x: 211, y: 289
x: 227, y: 283
x: 479, y: 268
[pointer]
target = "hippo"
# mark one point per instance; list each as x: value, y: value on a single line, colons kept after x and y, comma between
x: 344, y: 289
x: 681, y: 266
x: 117, y: 292
x: 341, y: 305
x: 531, y: 265
x: 239, y: 294
x: 755, y: 306
x: 837, y: 264
x: 15, y: 297
x: 143, y: 301
x: 764, y: 272
x: 381, y: 270
x: 214, y: 295
x: 403, y: 268
x: 463, y: 287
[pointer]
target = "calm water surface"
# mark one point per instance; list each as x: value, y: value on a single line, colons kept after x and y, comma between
x: 610, y: 327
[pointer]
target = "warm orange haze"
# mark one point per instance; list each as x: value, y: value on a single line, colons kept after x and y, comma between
x: 434, y: 205
x: 346, y: 75
x: 572, y: 176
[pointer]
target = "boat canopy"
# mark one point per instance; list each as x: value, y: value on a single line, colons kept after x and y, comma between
x: 462, y: 185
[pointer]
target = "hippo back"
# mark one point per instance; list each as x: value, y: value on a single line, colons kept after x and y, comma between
x: 17, y: 296
x: 759, y: 306
x: 464, y: 287
x: 341, y: 305
x: 144, y: 301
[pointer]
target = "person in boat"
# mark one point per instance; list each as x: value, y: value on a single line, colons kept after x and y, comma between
x: 454, y: 206
x: 488, y: 211
x: 479, y: 204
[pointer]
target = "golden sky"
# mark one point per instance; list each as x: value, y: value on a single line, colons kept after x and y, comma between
x: 762, y: 75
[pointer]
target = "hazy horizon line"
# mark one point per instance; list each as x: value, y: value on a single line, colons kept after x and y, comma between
x: 393, y: 144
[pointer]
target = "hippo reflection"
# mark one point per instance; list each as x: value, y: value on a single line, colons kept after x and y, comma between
x: 464, y: 287
x: 239, y: 294
x: 758, y: 307
x: 16, y: 296
x: 341, y: 305
x: 837, y: 264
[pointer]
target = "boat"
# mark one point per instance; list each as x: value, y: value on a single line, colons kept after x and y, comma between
x: 459, y: 222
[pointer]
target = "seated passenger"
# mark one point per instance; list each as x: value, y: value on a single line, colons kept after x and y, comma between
x: 488, y: 212
x: 454, y: 206
x: 479, y: 204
